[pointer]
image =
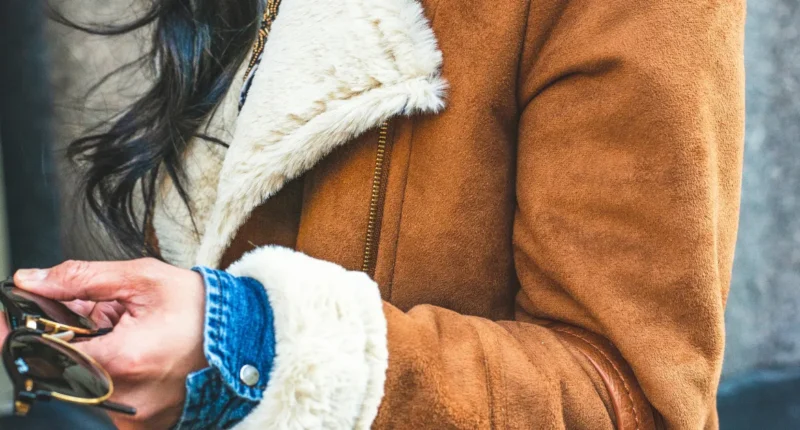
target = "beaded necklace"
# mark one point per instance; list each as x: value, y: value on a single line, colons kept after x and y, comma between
x: 270, y: 13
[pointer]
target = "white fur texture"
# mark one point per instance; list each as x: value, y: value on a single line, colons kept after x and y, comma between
x: 178, y: 240
x: 331, y: 348
x: 331, y: 70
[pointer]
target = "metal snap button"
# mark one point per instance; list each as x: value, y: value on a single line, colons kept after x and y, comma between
x: 249, y: 375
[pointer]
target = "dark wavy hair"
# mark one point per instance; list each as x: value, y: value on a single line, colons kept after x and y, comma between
x: 197, y: 47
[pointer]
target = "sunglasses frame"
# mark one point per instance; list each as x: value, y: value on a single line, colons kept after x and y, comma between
x: 24, y: 392
x: 26, y: 387
x: 17, y: 317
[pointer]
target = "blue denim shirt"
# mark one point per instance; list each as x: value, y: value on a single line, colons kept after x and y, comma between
x: 239, y: 331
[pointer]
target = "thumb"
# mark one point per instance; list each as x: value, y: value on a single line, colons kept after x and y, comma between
x: 101, y: 349
x: 80, y: 280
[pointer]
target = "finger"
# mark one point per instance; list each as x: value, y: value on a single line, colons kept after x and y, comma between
x: 107, y: 314
x: 104, y: 314
x: 80, y: 307
x: 95, y: 281
x: 102, y: 349
x: 4, y: 330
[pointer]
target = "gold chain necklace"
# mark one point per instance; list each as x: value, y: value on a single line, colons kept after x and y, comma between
x: 270, y: 13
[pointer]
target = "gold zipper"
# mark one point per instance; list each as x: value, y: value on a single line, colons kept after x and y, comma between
x: 376, y: 201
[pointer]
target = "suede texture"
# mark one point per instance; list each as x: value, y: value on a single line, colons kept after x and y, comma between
x: 555, y: 246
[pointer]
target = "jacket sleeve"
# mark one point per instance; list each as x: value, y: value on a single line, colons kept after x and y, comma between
x: 629, y: 160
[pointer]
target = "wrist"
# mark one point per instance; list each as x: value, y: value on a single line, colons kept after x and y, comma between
x: 197, y: 358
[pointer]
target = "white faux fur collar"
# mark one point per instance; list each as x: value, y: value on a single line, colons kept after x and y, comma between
x: 331, y: 70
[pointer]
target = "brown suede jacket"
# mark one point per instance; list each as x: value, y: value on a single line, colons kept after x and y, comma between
x: 543, y: 195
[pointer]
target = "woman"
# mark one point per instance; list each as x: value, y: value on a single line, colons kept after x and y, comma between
x: 430, y: 214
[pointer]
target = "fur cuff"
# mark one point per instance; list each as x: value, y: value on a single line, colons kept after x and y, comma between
x: 331, y: 351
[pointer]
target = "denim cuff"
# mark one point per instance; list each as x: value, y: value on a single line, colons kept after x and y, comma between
x: 239, y: 329
x: 239, y: 345
x: 211, y: 404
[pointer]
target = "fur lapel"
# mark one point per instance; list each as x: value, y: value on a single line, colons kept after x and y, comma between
x: 332, y: 69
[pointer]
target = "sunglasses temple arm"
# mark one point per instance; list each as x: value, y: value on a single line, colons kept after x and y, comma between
x: 117, y: 407
x: 98, y: 332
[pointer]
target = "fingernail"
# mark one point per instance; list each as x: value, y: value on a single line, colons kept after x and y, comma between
x: 31, y: 276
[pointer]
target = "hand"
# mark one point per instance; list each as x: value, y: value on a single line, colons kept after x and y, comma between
x: 4, y: 330
x: 157, y: 311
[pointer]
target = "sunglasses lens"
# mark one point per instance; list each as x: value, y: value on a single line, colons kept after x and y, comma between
x: 56, y: 368
x: 52, y: 310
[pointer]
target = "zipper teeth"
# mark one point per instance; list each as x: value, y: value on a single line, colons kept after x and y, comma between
x: 370, y: 244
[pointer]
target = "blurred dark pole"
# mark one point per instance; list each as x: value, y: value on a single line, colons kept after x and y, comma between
x: 26, y: 113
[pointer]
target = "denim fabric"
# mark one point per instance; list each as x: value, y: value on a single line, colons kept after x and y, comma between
x: 239, y: 331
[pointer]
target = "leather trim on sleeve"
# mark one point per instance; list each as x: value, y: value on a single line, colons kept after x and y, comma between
x: 632, y: 410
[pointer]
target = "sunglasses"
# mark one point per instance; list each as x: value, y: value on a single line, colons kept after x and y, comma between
x: 40, y: 365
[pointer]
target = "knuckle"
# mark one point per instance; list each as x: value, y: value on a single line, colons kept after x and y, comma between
x: 146, y: 270
x: 133, y: 362
x: 137, y: 364
x: 73, y: 271
x: 144, y: 413
x: 149, y: 261
x: 127, y: 366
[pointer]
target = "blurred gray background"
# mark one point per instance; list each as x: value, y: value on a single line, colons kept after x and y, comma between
x: 761, y: 376
x: 764, y: 307
x: 761, y: 379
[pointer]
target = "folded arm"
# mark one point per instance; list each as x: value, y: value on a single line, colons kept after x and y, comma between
x: 629, y: 160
